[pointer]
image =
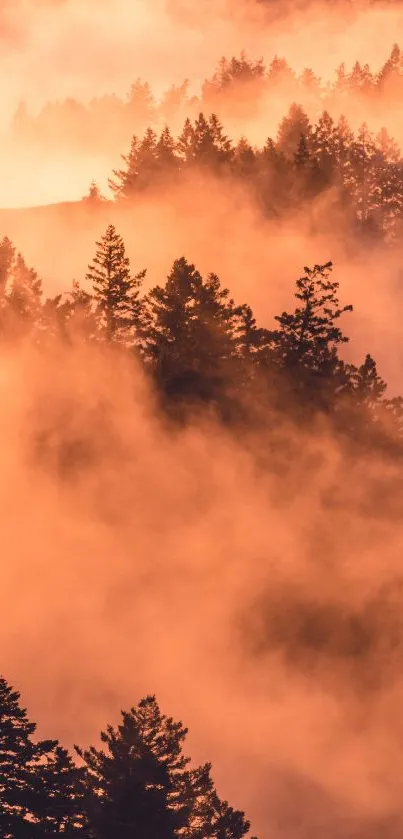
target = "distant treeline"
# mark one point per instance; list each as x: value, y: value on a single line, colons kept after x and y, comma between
x: 362, y: 174
x: 240, y: 89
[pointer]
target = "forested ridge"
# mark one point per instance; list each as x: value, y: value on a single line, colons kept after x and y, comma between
x: 201, y: 349
x: 277, y: 390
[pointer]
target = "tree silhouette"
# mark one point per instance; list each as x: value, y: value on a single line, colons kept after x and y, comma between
x: 63, y: 793
x: 142, y: 785
x: 308, y: 339
x: 190, y: 334
x: 115, y: 290
x: 39, y: 786
x: 7, y: 254
x: 24, y: 298
x: 290, y: 130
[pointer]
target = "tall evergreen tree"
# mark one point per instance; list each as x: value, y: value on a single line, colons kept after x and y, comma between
x: 191, y: 327
x: 115, y: 290
x: 290, y: 130
x: 24, y: 298
x: 7, y: 255
x: 141, y: 104
x: 142, y: 786
x: 124, y: 182
x: 39, y: 794
x: 63, y: 794
x: 165, y: 148
x: 205, y: 143
x: 308, y: 339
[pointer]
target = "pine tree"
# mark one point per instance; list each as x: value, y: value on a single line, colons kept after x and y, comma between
x: 302, y: 156
x: 142, y: 785
x: 310, y: 82
x: 254, y: 343
x: 361, y: 180
x: 62, y: 793
x: 7, y: 255
x: 21, y: 799
x: 185, y: 145
x: 390, y: 75
x: 24, y: 299
x: 174, y: 101
x: 204, y: 143
x: 78, y: 315
x: 365, y: 384
x: 165, y: 149
x: 148, y: 165
x: 141, y: 104
x: 190, y: 336
x: 124, y: 182
x: 323, y: 143
x: 308, y: 338
x: 281, y: 75
x: 115, y: 290
x: 94, y: 197
x: 290, y: 130
x: 144, y: 165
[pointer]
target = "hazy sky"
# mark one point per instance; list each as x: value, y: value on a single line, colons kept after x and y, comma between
x: 76, y: 47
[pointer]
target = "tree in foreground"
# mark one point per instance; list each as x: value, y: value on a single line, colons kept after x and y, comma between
x: 115, y: 290
x: 142, y: 786
x: 39, y: 784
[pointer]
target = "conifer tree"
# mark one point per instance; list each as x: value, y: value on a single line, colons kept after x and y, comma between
x: 7, y: 255
x: 78, y: 315
x: 35, y: 802
x: 142, y: 785
x: 124, y: 182
x: 63, y: 795
x: 290, y: 129
x: 141, y: 104
x: 24, y: 298
x: 205, y: 143
x: 174, y: 101
x: 323, y: 143
x: 148, y: 165
x: 94, y: 197
x: 309, y: 336
x: 165, y: 148
x: 244, y: 159
x: 191, y: 332
x: 115, y: 290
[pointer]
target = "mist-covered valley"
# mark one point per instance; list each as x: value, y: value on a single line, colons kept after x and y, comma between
x: 201, y: 419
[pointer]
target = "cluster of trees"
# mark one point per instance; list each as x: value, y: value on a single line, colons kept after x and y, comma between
x: 201, y: 348
x: 239, y: 88
x: 365, y: 171
x: 137, y: 784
